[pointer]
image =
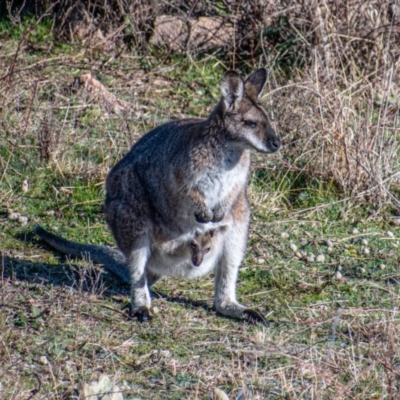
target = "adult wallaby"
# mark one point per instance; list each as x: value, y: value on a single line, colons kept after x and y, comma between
x: 190, y: 176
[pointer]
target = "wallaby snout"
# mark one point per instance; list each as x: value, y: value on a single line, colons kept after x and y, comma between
x: 197, y: 254
x: 197, y: 260
x: 200, y: 246
x: 272, y: 141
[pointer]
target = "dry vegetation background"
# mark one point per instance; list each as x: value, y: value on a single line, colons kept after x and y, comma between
x: 80, y: 81
x: 334, y: 72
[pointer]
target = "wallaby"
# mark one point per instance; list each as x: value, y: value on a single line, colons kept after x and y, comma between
x: 200, y: 246
x: 190, y: 176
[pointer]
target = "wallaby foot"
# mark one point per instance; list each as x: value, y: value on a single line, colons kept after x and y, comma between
x: 238, y: 311
x: 254, y: 317
x: 142, y: 314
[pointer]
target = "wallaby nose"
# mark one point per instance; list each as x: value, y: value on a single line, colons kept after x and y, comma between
x: 197, y: 261
x: 274, y: 144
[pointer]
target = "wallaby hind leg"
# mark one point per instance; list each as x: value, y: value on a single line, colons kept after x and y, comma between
x: 129, y: 229
x: 140, y: 295
x: 235, y: 241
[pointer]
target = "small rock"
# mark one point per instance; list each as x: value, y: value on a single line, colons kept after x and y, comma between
x: 50, y: 213
x: 364, y: 242
x: 311, y: 258
x: 25, y: 186
x: 338, y: 275
x: 320, y: 258
x: 293, y: 247
x: 102, y: 389
x: 382, y: 266
x: 12, y: 215
x: 220, y: 394
x: 355, y: 231
x: 23, y: 220
x: 43, y: 360
x: 366, y: 250
x: 165, y: 353
x: 329, y: 243
x: 390, y: 234
x: 284, y: 235
x: 363, y: 269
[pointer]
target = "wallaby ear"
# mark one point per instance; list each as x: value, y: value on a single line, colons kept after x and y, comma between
x: 254, y: 84
x: 232, y: 89
x: 211, y: 233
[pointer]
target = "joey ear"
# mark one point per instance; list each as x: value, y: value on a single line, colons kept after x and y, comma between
x: 255, y: 82
x: 232, y: 89
x: 211, y: 233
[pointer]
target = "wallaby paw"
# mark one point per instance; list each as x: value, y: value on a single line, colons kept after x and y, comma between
x: 254, y: 317
x: 204, y: 216
x: 218, y: 215
x: 142, y: 314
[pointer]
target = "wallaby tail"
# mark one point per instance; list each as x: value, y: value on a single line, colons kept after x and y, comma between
x: 111, y: 258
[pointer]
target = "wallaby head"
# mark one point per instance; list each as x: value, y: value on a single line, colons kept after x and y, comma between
x: 200, y: 246
x: 245, y: 120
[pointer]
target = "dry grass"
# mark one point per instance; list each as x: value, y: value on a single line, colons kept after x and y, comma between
x: 327, y: 338
x: 342, y: 110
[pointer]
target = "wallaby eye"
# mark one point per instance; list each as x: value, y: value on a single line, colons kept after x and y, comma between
x: 250, y: 124
x: 193, y: 246
x: 208, y: 249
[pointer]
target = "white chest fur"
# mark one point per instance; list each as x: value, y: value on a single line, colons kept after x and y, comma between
x: 221, y: 184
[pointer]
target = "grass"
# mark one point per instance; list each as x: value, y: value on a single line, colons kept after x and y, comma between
x: 324, y: 271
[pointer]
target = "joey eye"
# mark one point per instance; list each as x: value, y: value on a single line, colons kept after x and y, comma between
x: 250, y: 124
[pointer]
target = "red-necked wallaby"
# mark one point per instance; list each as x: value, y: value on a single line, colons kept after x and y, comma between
x: 184, y: 177
x: 200, y: 246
